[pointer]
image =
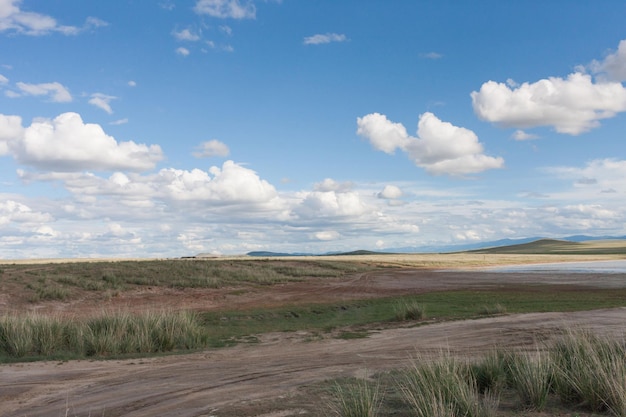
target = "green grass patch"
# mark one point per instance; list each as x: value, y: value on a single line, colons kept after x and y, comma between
x: 25, y: 336
x: 362, y: 315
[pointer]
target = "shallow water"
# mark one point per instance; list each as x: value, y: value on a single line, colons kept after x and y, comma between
x: 595, y: 267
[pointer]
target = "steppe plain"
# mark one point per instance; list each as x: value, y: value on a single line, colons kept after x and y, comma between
x: 280, y: 374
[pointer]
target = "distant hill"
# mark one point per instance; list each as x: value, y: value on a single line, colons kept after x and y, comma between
x: 533, y: 245
x: 498, y: 243
x: 271, y: 254
x: 355, y: 252
x: 560, y: 247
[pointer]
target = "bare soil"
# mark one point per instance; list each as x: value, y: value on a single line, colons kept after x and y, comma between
x: 271, y: 378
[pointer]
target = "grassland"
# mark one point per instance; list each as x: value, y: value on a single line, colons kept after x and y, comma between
x: 77, y: 310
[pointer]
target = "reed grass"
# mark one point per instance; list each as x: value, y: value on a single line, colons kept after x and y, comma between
x: 532, y: 378
x: 409, y: 310
x: 104, y: 335
x: 442, y: 388
x: 591, y: 371
x: 356, y: 398
x: 581, y: 371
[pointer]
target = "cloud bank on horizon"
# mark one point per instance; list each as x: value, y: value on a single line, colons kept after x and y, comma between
x: 233, y: 125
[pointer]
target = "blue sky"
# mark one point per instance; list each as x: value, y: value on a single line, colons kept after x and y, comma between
x: 171, y: 128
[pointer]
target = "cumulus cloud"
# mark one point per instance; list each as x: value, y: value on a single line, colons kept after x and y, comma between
x: 229, y: 184
x: 330, y: 204
x: 182, y: 51
x: 329, y: 184
x: 186, y: 35
x: 521, y: 135
x: 390, y: 192
x: 327, y: 235
x: 572, y: 105
x: 13, y: 211
x: 13, y: 19
x: 232, y: 183
x: 325, y: 38
x: 614, y: 65
x: 66, y: 143
x: 226, y: 9
x: 56, y: 91
x: 132, y: 83
x: 10, y: 130
x: 102, y: 101
x: 439, y: 148
x: 212, y: 148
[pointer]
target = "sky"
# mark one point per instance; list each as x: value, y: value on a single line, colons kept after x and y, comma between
x: 170, y: 128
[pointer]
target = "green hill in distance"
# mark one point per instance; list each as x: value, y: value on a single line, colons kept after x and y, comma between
x: 560, y: 247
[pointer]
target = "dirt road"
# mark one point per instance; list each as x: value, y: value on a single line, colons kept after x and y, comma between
x: 215, y: 383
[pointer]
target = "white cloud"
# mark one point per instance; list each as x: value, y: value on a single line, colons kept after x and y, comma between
x: 94, y: 22
x: 212, y: 148
x: 229, y: 184
x: 325, y: 38
x: 58, y: 93
x: 119, y: 122
x: 225, y: 9
x: 330, y: 204
x: 521, y: 135
x: 331, y: 185
x: 13, y: 211
x: 67, y: 144
x: 3, y: 79
x: 102, y: 101
x: 327, y: 235
x: 132, y: 83
x: 573, y: 105
x: 12, y: 18
x: 10, y: 130
x: 390, y: 192
x: 186, y: 35
x: 614, y: 65
x: 182, y: 51
x: 439, y: 148
x: 596, y: 176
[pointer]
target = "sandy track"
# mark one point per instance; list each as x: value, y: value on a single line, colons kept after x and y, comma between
x: 211, y: 382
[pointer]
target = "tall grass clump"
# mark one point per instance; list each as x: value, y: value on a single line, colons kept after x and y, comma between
x: 103, y: 335
x: 492, y: 310
x: 123, y: 333
x: 591, y: 371
x: 445, y: 387
x: 409, y: 310
x: 532, y: 376
x: 357, y: 398
x: 16, y: 336
x: 493, y: 371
